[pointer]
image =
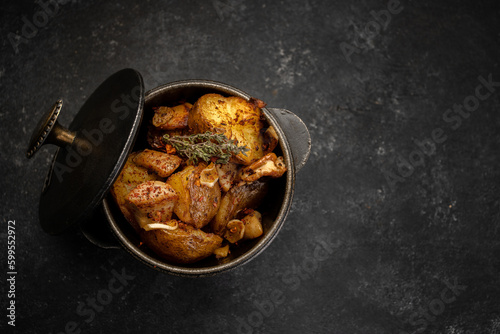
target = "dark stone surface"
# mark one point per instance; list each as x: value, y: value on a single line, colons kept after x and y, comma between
x: 372, y: 244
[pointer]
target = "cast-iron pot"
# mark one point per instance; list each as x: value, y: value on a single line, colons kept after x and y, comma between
x: 129, y: 134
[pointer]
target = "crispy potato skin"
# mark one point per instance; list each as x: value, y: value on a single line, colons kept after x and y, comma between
x: 185, y: 244
x: 152, y: 202
x: 205, y: 200
x: 179, y: 181
x: 197, y: 204
x: 163, y: 164
x: 130, y: 177
x: 239, y: 197
x: 237, y: 118
x: 167, y: 118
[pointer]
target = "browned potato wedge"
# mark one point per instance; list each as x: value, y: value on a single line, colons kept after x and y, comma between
x: 268, y: 165
x: 237, y: 118
x: 163, y: 164
x: 239, y: 197
x: 167, y: 118
x: 152, y: 202
x: 205, y: 200
x: 185, y: 244
x: 129, y: 178
x: 179, y: 181
x: 197, y: 203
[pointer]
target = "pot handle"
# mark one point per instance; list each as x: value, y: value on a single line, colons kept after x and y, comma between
x: 297, y: 135
x: 96, y: 230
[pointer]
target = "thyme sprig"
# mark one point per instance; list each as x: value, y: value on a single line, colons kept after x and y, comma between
x: 206, y: 146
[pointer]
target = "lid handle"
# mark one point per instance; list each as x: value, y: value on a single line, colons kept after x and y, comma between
x: 49, y: 131
x: 297, y: 135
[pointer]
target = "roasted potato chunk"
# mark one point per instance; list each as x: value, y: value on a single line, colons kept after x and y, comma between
x: 197, y: 203
x: 130, y: 177
x: 185, y: 244
x: 179, y: 182
x: 161, y: 163
x: 239, y: 197
x: 237, y: 118
x: 167, y: 118
x: 152, y: 202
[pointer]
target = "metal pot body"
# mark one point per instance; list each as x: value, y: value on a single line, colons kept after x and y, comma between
x: 294, y: 146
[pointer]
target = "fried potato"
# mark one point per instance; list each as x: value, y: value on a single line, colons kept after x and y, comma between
x: 161, y: 163
x: 185, y: 244
x: 152, y: 202
x: 237, y: 118
x: 130, y: 177
x: 239, y: 197
x: 197, y: 203
x: 166, y: 118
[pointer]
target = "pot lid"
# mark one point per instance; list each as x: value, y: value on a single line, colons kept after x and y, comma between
x: 92, y: 150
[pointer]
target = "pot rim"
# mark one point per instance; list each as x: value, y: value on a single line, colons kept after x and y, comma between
x: 263, y: 242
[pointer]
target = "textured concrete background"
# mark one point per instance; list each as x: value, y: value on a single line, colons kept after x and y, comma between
x: 390, y: 231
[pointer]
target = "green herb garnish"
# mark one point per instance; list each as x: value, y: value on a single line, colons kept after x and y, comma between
x: 206, y: 146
